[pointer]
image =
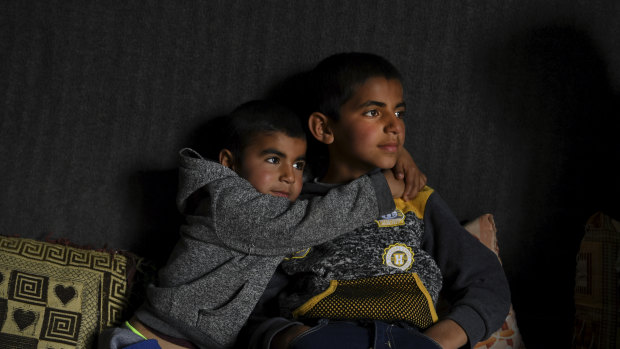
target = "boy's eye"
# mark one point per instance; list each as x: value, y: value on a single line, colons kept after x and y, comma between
x: 273, y: 160
x: 400, y: 114
x: 299, y: 165
x: 372, y: 113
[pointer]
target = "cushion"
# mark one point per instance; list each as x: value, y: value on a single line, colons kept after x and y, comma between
x: 508, y: 336
x: 59, y: 296
x: 597, y: 285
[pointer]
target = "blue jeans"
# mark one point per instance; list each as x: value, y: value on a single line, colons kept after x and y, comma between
x: 329, y: 334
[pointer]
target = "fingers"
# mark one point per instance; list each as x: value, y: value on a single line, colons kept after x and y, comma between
x: 410, y: 185
x: 397, y: 186
x: 407, y: 170
x: 414, y: 182
x: 399, y: 170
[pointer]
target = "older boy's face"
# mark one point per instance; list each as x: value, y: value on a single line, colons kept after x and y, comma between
x: 371, y: 131
x: 273, y: 163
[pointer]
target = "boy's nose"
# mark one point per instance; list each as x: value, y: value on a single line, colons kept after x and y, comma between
x: 394, y: 125
x: 287, y: 175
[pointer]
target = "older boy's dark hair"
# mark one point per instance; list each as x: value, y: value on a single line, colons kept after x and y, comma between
x: 336, y: 78
x: 330, y: 85
x: 236, y: 130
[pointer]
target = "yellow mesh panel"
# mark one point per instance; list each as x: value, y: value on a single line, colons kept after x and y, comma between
x: 389, y: 298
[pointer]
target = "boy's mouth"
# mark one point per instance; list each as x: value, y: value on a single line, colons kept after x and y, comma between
x: 281, y: 194
x: 389, y: 147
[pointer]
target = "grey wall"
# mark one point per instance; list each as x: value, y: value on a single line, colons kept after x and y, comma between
x: 512, y: 109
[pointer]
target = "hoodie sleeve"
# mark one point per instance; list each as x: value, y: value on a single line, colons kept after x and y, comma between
x: 239, y: 217
x: 474, y: 281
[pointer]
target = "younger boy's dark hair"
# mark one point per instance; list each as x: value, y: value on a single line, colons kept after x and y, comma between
x: 336, y: 78
x: 236, y: 130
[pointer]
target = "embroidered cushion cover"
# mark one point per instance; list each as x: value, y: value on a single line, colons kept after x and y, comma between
x: 57, y: 296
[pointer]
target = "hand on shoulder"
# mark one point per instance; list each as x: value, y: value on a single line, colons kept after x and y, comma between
x: 397, y: 186
x: 406, y: 169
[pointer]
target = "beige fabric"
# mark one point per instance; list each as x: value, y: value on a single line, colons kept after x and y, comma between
x: 597, y: 307
x: 508, y: 336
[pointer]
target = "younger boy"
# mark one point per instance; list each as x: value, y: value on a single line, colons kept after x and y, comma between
x: 377, y: 286
x: 236, y: 235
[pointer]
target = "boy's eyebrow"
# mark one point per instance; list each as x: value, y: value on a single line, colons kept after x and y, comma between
x: 379, y: 104
x: 369, y: 103
x: 272, y: 151
x: 280, y: 154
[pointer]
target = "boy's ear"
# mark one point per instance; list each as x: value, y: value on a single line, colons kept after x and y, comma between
x: 227, y: 159
x: 320, y: 127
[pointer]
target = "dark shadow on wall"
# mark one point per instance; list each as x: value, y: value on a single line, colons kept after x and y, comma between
x: 159, y: 218
x: 558, y: 116
x: 156, y: 191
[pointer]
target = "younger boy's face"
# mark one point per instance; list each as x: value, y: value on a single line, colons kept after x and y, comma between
x: 371, y: 130
x: 274, y: 164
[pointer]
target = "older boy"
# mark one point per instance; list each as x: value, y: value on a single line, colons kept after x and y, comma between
x: 378, y: 286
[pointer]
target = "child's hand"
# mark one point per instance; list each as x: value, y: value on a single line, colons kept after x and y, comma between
x: 406, y: 169
x: 448, y: 334
x: 397, y: 186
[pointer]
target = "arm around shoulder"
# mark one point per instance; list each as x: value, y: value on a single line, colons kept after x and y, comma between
x: 247, y: 221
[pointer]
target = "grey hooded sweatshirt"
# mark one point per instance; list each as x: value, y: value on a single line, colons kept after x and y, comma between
x: 234, y: 239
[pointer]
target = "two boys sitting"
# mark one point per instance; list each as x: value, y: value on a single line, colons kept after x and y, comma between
x: 382, y: 275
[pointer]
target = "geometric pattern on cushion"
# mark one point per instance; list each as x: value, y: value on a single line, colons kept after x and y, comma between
x: 508, y: 336
x: 58, y: 296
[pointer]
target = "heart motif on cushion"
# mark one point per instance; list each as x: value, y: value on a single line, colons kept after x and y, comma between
x: 23, y: 318
x: 65, y: 294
